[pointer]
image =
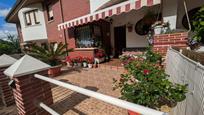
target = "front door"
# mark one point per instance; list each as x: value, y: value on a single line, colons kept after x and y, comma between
x: 120, y: 40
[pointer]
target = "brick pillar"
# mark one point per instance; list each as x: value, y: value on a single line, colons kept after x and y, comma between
x: 29, y: 91
x: 164, y: 41
x: 5, y: 89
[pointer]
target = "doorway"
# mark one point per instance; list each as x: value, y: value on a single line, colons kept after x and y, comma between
x: 120, y: 40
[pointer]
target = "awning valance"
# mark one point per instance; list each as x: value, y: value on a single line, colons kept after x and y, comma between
x: 107, y: 12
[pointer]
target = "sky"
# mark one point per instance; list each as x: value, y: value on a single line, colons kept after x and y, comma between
x: 5, y: 6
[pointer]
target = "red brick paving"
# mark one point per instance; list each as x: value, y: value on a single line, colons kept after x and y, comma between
x: 71, y: 103
x: 11, y: 110
x: 68, y: 102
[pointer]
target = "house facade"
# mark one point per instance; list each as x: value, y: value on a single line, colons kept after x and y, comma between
x: 88, y: 25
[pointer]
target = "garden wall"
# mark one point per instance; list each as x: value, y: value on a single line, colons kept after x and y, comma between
x: 186, y: 71
x: 164, y: 41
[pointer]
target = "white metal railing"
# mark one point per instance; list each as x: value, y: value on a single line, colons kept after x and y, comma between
x: 48, y: 109
x: 185, y: 57
x: 108, y: 99
x: 184, y: 70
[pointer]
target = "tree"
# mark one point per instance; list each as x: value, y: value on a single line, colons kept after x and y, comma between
x: 10, y: 45
x: 50, y: 54
x: 5, y: 47
x: 15, y: 43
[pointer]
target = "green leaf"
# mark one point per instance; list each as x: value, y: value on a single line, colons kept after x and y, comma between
x: 202, y: 23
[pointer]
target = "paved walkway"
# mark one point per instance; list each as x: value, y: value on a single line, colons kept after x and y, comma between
x: 71, y: 103
x: 11, y: 110
x: 67, y: 102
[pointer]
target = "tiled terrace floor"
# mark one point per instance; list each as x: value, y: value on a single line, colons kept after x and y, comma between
x: 71, y: 103
x: 67, y: 102
x: 11, y: 110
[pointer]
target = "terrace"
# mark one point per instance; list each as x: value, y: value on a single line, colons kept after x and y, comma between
x: 68, y: 102
x: 100, y: 80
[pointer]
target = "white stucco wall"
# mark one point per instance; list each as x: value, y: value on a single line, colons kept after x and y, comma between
x: 33, y: 32
x: 132, y: 38
x: 95, y: 4
x: 170, y: 12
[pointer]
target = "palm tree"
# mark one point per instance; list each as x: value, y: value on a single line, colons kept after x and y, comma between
x: 50, y: 54
x: 14, y: 40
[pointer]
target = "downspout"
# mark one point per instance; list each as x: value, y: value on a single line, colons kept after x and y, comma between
x: 187, y: 16
x: 64, y: 30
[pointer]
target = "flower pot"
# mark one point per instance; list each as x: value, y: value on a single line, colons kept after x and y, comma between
x: 79, y: 64
x: 90, y: 65
x: 132, y: 113
x: 69, y: 64
x: 54, y: 71
x: 165, y: 109
x: 85, y: 64
x: 158, y: 30
x: 75, y: 64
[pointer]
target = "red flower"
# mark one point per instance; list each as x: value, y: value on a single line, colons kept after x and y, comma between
x: 90, y: 60
x: 79, y: 59
x: 68, y: 59
x: 100, y: 53
x: 146, y: 71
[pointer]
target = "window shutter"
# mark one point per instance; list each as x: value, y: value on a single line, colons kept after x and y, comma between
x: 27, y: 18
x: 37, y: 20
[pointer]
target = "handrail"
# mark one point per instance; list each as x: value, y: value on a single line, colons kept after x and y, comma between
x: 108, y: 99
x: 48, y: 109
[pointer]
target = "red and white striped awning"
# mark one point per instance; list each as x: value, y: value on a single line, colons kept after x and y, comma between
x: 107, y: 12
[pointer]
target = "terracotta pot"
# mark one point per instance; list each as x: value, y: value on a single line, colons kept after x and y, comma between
x: 54, y: 71
x: 133, y: 113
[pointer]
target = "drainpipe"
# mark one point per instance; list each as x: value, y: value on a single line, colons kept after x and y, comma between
x: 187, y: 16
x: 64, y: 30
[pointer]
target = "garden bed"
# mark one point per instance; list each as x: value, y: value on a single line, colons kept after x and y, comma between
x: 196, y: 56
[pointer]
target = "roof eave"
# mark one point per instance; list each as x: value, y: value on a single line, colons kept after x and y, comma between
x: 8, y: 16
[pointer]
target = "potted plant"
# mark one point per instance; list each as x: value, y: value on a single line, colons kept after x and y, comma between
x: 50, y: 54
x: 160, y: 27
x: 146, y: 84
x: 85, y: 62
x: 90, y: 62
x: 100, y: 55
x: 79, y: 61
x: 74, y: 62
x: 68, y: 61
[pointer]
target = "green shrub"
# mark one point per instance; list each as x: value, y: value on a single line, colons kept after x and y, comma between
x: 147, y: 84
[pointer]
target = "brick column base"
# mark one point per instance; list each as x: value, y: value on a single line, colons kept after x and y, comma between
x: 5, y: 90
x: 29, y: 91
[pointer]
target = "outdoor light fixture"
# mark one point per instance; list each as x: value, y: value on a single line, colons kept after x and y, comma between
x: 12, y: 84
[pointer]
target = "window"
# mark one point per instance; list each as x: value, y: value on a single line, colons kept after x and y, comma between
x: 88, y: 36
x: 50, y: 12
x: 31, y: 17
